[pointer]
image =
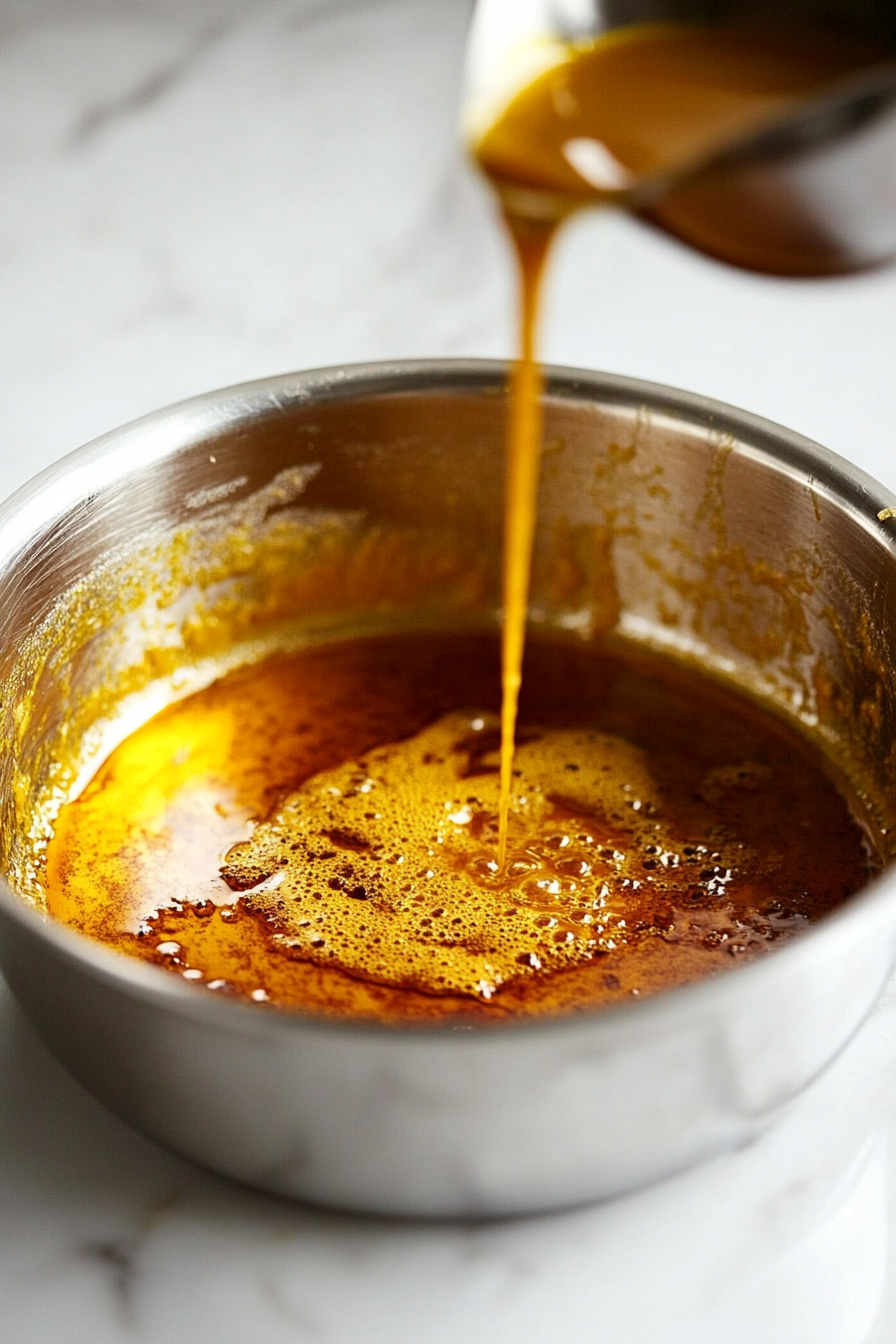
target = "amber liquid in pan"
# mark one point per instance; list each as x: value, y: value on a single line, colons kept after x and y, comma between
x: 660, y: 830
x: 370, y: 829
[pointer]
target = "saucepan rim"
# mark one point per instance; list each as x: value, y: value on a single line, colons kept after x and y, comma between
x: 179, y: 427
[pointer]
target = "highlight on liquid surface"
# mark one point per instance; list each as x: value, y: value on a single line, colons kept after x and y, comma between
x: 319, y: 832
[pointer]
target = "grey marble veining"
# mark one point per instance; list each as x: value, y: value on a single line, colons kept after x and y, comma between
x: 195, y: 194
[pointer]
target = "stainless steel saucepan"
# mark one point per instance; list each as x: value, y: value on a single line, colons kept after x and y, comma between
x: 716, y: 535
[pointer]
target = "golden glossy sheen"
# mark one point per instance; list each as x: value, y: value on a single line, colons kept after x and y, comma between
x: 660, y: 830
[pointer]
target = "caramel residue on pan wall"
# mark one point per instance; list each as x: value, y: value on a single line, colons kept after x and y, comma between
x: 173, y: 610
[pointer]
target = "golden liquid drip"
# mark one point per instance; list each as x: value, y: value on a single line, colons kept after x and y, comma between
x: 531, y: 244
x: 648, y: 103
x: 318, y: 831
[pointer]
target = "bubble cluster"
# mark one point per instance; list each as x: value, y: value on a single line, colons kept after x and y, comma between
x: 386, y: 868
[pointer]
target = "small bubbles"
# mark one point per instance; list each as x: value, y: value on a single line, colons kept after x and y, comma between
x: 169, y: 949
x: 477, y: 724
x: 260, y: 996
x: 191, y: 973
x: 220, y: 986
x: 529, y: 960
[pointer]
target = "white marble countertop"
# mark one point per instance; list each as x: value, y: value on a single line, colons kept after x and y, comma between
x: 196, y: 194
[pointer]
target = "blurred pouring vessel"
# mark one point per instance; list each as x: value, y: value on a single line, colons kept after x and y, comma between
x: 799, y: 181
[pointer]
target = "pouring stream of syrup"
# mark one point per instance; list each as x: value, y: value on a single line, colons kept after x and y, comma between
x: 635, y: 108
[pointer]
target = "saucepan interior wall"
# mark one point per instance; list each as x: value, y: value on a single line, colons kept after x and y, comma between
x: 720, y: 547
x: 310, y: 518
x: 299, y: 524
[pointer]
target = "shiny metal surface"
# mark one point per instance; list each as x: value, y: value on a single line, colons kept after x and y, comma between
x: 731, y: 540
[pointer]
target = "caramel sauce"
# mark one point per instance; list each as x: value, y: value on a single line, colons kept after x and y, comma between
x: 532, y: 240
x: 367, y: 829
x: 621, y: 119
x: 319, y: 831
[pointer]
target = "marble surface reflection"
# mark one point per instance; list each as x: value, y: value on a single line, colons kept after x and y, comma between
x: 192, y: 195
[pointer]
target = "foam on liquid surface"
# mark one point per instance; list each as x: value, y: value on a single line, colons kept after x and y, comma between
x: 320, y: 832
